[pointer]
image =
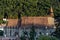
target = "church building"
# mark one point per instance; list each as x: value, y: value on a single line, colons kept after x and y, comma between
x: 44, y: 25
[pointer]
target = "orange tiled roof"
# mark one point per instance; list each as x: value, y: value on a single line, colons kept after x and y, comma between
x: 47, y: 21
x: 38, y: 20
x: 12, y: 22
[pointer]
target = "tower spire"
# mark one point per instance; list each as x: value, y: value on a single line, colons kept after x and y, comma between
x: 51, y: 12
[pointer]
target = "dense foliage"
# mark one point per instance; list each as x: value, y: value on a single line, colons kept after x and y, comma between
x: 30, y: 36
x: 47, y: 38
x: 3, y: 22
x: 32, y: 33
x: 28, y: 7
x: 57, y: 31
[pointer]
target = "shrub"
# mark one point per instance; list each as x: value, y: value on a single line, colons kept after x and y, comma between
x: 47, y: 38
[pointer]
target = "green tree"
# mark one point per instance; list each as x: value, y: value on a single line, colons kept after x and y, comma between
x: 25, y: 35
x: 57, y: 31
x: 47, y: 38
x: 32, y: 33
x: 28, y: 7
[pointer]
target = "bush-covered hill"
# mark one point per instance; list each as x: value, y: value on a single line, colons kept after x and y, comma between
x: 28, y: 7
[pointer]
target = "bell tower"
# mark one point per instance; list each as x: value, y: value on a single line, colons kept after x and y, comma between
x: 51, y: 12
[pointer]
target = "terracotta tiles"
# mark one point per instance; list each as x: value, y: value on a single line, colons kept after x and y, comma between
x: 32, y: 20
